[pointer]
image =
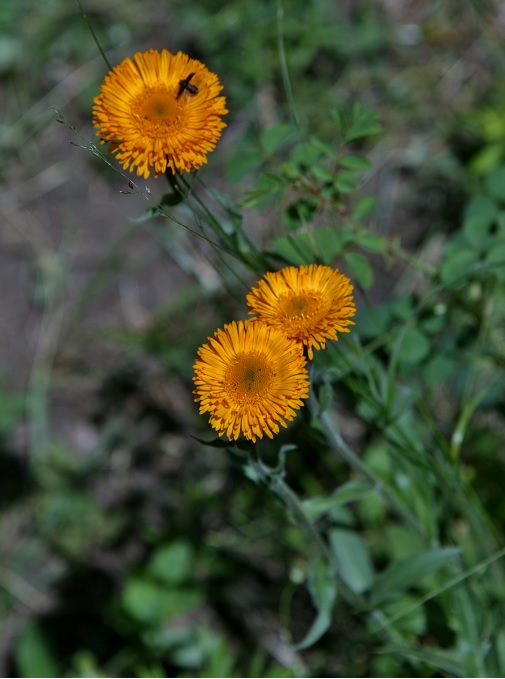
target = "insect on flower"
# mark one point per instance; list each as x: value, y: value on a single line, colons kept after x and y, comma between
x: 143, y: 116
x: 185, y: 84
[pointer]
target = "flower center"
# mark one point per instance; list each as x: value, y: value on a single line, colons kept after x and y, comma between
x: 299, y: 306
x: 157, y: 110
x: 248, y: 376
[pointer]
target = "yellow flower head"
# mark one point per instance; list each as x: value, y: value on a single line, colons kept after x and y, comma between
x: 310, y: 304
x: 160, y: 111
x: 250, y: 378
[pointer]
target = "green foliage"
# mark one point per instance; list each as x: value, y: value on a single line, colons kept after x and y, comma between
x: 366, y: 538
x: 409, y: 572
x: 322, y: 586
x: 34, y: 656
x: 161, y: 591
x: 353, y: 561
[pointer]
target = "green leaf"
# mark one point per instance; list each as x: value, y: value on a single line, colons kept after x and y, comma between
x: 273, y: 137
x: 411, y: 618
x: 448, y: 662
x: 373, y: 321
x: 352, y: 558
x: 401, y: 542
x: 363, y: 207
x: 306, y: 155
x: 242, y: 164
x: 495, y: 184
x: 150, y: 603
x: 456, y: 266
x: 325, y: 397
x: 409, y: 572
x: 340, y: 121
x: 322, y: 172
x: 220, y: 662
x: 487, y: 158
x: 372, y: 509
x: 371, y: 242
x: 496, y: 258
x: 355, y: 162
x: 353, y: 490
x: 500, y: 647
x: 360, y: 268
x: 321, y: 146
x: 364, y: 123
x: 306, y: 247
x: 402, y: 307
x: 329, y: 243
x: 346, y: 181
x: 413, y: 346
x: 480, y: 213
x: 172, y: 563
x: 267, y: 189
x: 438, y: 369
x: 297, y: 249
x: 433, y: 325
x: 142, y: 599
x: 323, y: 590
x: 33, y: 655
x: 168, y: 637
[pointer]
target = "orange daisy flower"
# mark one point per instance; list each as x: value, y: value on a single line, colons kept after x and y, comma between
x: 250, y: 378
x: 310, y: 304
x: 160, y: 111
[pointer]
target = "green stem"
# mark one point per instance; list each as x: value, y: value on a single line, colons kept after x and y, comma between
x: 291, y: 500
x: 272, y: 478
x: 338, y: 444
x: 88, y: 22
x: 250, y: 257
x: 449, y: 584
x: 284, y: 64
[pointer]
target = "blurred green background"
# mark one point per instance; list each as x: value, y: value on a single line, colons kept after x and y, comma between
x: 127, y: 548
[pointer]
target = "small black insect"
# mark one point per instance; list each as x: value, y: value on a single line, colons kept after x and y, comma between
x: 187, y: 85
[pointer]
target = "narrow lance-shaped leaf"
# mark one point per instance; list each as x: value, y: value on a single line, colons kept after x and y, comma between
x: 408, y: 572
x: 323, y: 590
